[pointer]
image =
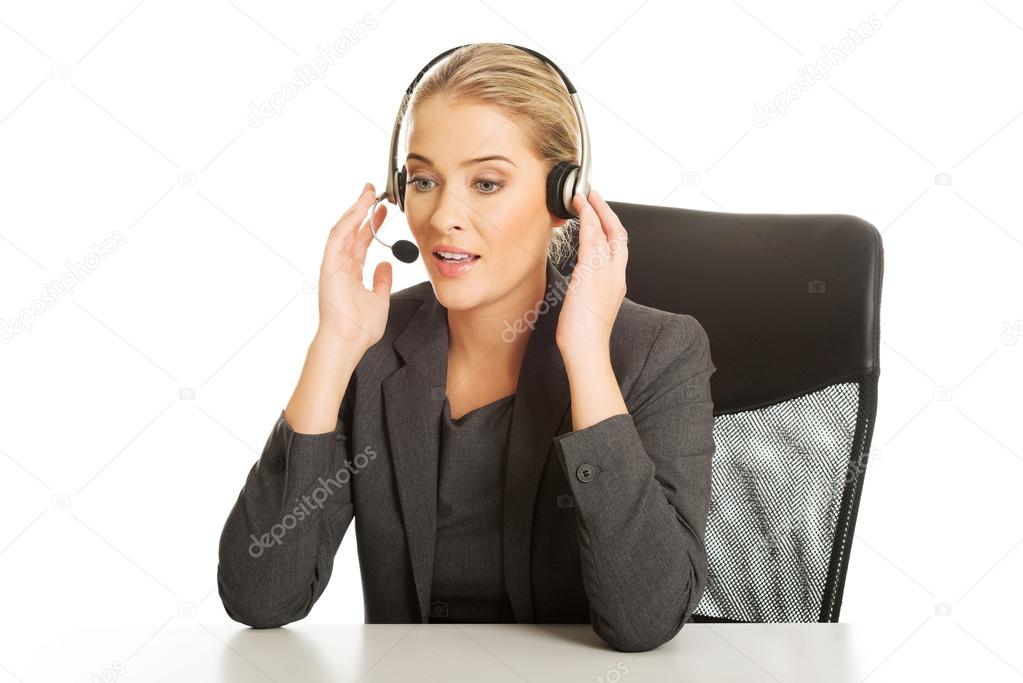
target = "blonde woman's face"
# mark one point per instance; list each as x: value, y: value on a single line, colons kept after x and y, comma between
x: 494, y: 208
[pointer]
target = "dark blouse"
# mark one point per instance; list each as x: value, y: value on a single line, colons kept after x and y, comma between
x: 468, y: 569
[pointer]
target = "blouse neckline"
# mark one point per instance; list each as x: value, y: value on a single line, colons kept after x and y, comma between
x: 475, y: 411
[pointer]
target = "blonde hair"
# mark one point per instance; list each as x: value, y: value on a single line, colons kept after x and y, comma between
x: 528, y: 91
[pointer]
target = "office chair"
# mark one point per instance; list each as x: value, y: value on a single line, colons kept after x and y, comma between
x: 791, y: 307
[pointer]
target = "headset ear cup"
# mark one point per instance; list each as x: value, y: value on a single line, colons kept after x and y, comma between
x: 560, y: 179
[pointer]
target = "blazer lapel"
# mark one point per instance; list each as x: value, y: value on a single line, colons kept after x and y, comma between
x: 413, y: 403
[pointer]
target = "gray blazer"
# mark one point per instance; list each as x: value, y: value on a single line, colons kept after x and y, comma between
x: 604, y: 525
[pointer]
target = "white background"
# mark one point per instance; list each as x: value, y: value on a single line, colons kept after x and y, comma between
x: 129, y: 122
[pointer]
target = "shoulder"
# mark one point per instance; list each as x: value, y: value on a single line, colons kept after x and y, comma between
x: 649, y: 343
x: 640, y: 327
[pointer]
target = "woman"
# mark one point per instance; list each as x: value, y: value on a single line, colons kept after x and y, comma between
x: 515, y: 446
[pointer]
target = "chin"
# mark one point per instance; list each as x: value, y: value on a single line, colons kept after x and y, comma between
x: 456, y: 297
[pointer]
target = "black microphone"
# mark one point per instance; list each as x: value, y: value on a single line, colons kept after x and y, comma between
x: 403, y: 250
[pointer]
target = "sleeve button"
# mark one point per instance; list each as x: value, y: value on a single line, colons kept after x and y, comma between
x: 585, y: 472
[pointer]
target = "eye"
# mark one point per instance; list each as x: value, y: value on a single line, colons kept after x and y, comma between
x: 496, y: 184
x: 415, y: 179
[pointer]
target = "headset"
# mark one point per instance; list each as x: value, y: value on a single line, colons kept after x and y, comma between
x: 564, y: 181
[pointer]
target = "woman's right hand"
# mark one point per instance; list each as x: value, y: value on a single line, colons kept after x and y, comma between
x: 349, y: 312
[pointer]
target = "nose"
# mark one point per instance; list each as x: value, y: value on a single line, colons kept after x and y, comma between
x: 450, y: 212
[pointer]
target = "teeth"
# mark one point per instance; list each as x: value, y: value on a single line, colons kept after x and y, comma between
x: 453, y: 256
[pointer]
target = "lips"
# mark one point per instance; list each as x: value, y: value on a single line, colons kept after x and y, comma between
x: 454, y: 267
x: 452, y: 249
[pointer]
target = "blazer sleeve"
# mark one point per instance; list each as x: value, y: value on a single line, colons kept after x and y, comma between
x: 278, y: 545
x: 642, y: 484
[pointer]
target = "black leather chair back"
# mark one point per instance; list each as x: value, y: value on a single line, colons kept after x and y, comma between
x: 791, y: 306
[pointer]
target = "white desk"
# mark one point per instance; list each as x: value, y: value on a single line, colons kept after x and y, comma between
x: 186, y: 651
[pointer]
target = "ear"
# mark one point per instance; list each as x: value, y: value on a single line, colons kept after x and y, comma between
x: 557, y: 222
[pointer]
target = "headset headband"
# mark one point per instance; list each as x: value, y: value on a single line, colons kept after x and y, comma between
x: 583, y: 184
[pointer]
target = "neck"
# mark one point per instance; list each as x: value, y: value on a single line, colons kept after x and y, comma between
x: 496, y: 332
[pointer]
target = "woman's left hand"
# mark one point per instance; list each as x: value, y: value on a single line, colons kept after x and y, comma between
x: 597, y: 286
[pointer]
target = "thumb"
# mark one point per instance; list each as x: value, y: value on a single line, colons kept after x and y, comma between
x: 382, y: 279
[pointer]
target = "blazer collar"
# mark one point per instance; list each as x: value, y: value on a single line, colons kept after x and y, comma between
x: 413, y: 398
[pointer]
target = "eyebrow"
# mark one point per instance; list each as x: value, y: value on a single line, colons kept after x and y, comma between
x: 467, y: 162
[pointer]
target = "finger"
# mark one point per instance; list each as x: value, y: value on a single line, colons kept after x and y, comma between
x: 350, y: 217
x: 617, y: 235
x: 591, y: 233
x: 367, y: 191
x: 347, y: 223
x: 365, y: 236
x: 346, y: 254
x: 607, y: 226
x: 361, y: 204
x: 339, y: 250
x: 382, y: 277
x: 586, y: 219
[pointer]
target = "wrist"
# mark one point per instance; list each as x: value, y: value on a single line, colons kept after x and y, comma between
x: 336, y: 347
x: 331, y: 358
x: 586, y: 358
